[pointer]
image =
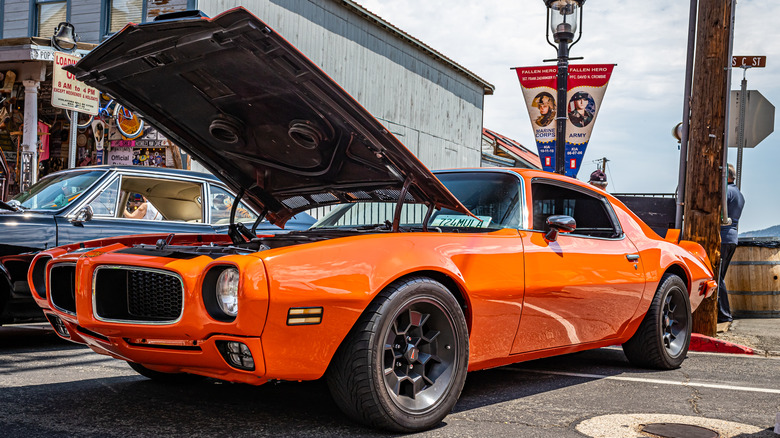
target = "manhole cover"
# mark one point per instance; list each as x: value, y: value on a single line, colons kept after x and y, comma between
x: 677, y: 430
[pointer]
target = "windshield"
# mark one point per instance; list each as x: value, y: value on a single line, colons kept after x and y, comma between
x: 57, y: 191
x: 494, y: 197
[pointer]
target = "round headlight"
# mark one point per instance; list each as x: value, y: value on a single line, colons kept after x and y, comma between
x: 227, y: 291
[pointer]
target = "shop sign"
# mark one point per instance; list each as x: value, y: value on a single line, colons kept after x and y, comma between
x: 121, y: 157
x: 69, y: 93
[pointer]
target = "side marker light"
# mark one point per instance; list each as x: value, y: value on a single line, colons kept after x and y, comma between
x: 304, y: 315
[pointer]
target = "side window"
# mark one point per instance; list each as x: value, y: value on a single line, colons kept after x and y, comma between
x: 105, y: 203
x: 591, y: 213
x: 164, y: 199
x: 222, y: 202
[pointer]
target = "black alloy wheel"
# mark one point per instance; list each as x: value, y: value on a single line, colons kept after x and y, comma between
x: 674, y: 321
x: 403, y: 365
x: 663, y: 337
x: 419, y: 357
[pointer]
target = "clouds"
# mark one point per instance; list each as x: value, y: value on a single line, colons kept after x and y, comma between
x: 647, y: 41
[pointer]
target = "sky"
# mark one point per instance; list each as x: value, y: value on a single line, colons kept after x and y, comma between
x: 644, y: 100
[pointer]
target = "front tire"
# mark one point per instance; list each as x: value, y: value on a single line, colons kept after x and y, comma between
x: 664, y: 335
x: 403, y: 365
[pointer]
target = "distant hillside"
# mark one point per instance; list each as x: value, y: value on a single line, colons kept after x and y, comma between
x: 773, y: 231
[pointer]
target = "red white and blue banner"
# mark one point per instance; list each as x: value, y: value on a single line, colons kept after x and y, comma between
x: 585, y: 91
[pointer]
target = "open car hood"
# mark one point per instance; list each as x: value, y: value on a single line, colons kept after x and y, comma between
x: 259, y: 114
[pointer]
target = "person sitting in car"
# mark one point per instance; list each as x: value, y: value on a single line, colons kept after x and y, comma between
x: 141, y: 208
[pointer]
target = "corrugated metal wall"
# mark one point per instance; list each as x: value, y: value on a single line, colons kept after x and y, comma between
x: 433, y: 109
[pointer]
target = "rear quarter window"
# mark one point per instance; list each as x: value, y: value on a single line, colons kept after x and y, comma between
x: 593, y: 214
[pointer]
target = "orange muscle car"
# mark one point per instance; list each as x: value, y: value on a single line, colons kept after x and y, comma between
x: 409, y: 280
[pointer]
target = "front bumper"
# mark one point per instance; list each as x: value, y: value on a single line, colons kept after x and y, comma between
x: 202, y: 356
x: 194, y: 343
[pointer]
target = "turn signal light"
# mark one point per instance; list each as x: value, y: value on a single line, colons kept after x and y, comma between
x: 237, y: 354
x: 304, y: 315
x: 58, y: 325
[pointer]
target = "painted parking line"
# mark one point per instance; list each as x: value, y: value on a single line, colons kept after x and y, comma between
x: 653, y: 381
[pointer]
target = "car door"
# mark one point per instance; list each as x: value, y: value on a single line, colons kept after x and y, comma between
x: 103, y: 201
x: 585, y: 285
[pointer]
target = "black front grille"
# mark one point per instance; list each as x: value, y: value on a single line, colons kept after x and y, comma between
x: 62, y: 286
x: 132, y: 294
x: 152, y: 294
x: 39, y: 276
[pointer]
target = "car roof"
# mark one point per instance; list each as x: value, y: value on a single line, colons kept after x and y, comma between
x: 162, y: 171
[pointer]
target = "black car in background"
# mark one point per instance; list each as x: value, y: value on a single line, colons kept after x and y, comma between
x: 97, y: 202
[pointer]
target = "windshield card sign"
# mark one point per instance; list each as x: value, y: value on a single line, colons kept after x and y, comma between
x: 458, y: 220
x: 586, y: 87
x: 69, y: 93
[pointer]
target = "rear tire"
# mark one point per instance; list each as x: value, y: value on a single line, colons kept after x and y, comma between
x: 159, y: 376
x: 403, y: 365
x: 664, y: 335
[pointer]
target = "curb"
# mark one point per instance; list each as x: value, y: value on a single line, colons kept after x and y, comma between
x: 709, y: 344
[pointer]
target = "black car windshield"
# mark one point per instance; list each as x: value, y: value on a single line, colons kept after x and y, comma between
x: 494, y: 197
x: 58, y: 191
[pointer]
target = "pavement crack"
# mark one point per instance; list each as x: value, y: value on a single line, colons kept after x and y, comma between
x: 695, y: 394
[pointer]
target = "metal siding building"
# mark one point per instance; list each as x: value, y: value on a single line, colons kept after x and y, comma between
x: 432, y: 105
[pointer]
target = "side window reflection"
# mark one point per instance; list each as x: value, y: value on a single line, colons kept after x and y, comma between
x: 105, y: 203
x: 222, y: 202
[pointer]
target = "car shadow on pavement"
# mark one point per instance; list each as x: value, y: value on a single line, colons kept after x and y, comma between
x: 122, y: 403
x: 525, y: 379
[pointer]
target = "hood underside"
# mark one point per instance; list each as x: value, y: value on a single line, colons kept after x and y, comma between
x: 259, y: 114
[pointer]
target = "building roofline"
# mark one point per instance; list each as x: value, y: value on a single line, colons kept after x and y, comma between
x: 34, y: 49
x: 368, y: 15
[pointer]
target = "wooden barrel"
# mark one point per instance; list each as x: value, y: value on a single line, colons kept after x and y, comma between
x: 753, y: 279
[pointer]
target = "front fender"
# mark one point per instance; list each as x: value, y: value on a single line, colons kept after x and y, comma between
x: 344, y: 275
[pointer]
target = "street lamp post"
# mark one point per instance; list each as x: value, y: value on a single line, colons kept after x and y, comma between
x: 562, y: 20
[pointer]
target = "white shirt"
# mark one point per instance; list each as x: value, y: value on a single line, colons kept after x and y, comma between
x: 151, y: 213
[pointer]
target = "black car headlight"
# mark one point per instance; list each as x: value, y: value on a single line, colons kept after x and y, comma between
x: 220, y: 292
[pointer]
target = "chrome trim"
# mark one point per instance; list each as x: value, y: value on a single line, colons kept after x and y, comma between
x: 95, y: 191
x: 610, y: 209
x: 136, y: 268
x: 49, y: 267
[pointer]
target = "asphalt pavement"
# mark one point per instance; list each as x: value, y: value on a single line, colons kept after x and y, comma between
x: 51, y: 388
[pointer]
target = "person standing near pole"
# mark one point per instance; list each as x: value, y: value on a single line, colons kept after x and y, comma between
x: 728, y: 243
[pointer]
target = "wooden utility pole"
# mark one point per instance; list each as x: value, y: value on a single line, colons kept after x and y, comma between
x: 703, y: 188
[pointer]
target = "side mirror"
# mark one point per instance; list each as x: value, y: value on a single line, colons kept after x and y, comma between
x: 83, y: 215
x: 559, y: 224
x: 16, y: 205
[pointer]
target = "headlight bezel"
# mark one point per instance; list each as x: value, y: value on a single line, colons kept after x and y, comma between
x: 210, y: 290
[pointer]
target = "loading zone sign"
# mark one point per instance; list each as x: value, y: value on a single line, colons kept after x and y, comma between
x: 69, y: 93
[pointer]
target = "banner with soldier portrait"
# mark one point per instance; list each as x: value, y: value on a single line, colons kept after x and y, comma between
x: 585, y: 91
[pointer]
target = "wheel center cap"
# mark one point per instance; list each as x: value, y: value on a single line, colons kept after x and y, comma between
x: 412, y: 354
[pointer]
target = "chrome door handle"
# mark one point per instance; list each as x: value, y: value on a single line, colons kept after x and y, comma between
x: 632, y: 257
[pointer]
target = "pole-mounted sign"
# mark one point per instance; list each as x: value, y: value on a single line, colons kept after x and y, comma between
x: 585, y: 91
x: 748, y: 61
